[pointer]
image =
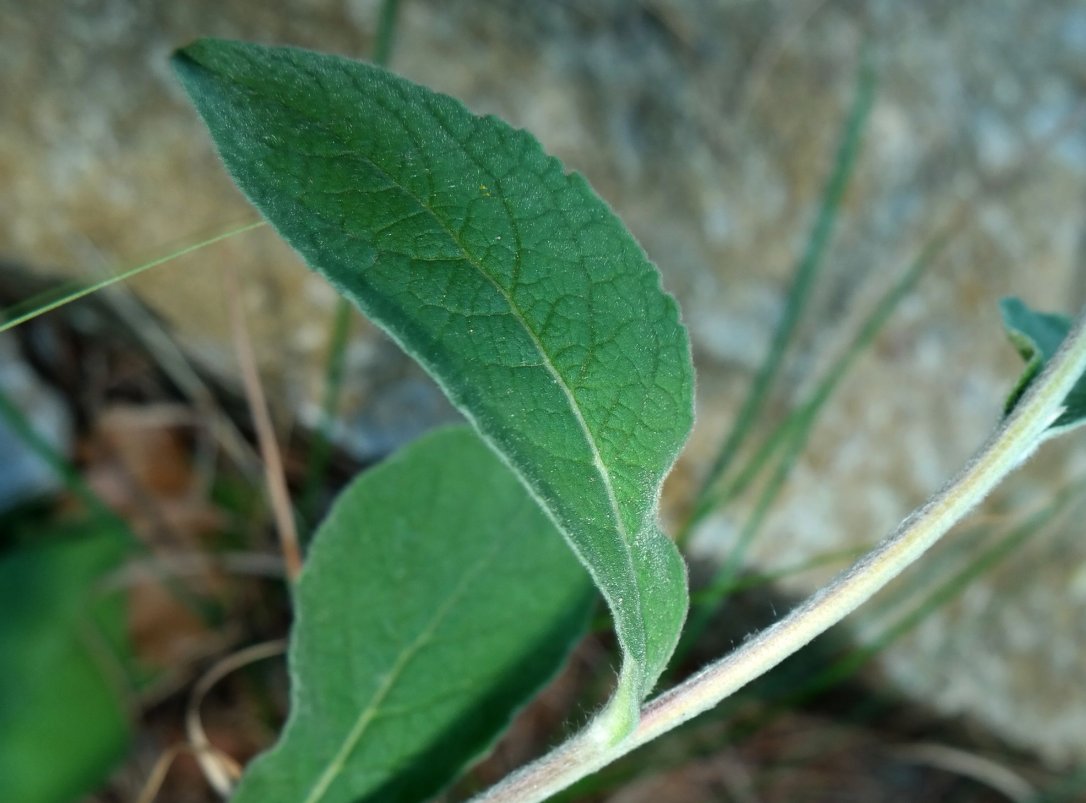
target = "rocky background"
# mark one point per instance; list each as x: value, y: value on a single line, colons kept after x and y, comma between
x: 711, y: 128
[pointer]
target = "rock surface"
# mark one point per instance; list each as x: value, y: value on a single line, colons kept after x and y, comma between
x: 24, y: 474
x: 710, y: 127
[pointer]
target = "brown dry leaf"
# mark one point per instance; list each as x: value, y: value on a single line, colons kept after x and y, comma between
x: 164, y: 632
x: 139, y: 461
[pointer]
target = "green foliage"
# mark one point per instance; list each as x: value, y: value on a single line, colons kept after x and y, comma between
x: 436, y: 599
x: 62, y: 720
x: 506, y: 277
x: 1037, y: 336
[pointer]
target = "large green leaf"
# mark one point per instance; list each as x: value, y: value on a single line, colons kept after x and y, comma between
x: 62, y: 720
x: 1037, y: 336
x: 436, y: 599
x: 506, y: 277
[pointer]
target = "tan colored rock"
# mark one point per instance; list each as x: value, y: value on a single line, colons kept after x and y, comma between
x: 710, y: 128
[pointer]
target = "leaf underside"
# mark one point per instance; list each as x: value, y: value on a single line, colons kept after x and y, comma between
x: 435, y: 600
x: 508, y: 279
x: 1037, y: 336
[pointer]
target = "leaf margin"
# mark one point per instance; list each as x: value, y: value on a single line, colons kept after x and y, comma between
x: 644, y: 661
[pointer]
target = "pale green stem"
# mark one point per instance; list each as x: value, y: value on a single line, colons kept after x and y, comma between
x: 1016, y: 438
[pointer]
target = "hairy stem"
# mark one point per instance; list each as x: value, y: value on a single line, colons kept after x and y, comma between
x: 1013, y: 441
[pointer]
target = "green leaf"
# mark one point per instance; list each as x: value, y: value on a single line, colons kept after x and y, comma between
x: 1037, y: 336
x: 436, y: 599
x: 506, y: 277
x: 63, y: 724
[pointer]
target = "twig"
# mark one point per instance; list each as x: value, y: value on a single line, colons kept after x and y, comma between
x: 984, y: 770
x: 274, y: 475
x: 221, y: 771
x: 187, y: 564
x: 161, y: 769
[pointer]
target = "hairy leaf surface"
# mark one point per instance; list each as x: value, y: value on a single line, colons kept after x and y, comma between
x: 507, y: 278
x: 1037, y: 336
x: 435, y: 600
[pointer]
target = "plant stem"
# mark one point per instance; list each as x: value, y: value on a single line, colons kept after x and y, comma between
x: 274, y: 472
x: 791, y: 437
x: 1013, y: 441
x: 321, y: 451
x: 386, y: 32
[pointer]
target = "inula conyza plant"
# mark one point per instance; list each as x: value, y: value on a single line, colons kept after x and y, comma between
x: 448, y: 585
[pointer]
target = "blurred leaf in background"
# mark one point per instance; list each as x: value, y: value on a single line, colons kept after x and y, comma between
x: 63, y: 719
x: 1037, y: 336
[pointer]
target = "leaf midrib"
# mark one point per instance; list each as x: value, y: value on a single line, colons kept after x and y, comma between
x: 369, y: 713
x: 518, y: 315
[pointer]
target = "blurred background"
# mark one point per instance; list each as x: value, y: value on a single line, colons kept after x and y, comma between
x: 856, y: 181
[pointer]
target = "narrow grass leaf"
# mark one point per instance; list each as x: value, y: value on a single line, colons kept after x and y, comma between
x: 317, y: 462
x: 1037, y: 336
x: 506, y: 277
x: 32, y: 308
x: 803, y: 280
x: 435, y: 600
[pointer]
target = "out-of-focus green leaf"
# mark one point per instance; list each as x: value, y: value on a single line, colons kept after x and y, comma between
x: 63, y: 722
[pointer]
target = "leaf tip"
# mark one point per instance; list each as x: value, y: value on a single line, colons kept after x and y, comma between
x: 201, y: 58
